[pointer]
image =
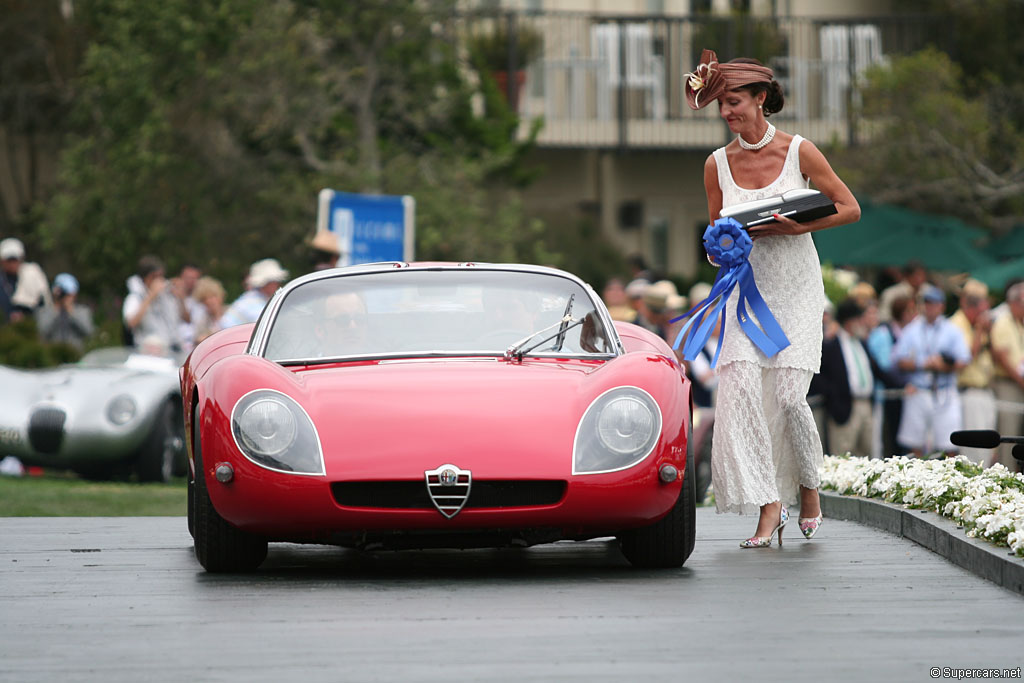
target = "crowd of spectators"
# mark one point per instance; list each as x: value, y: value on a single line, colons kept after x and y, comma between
x: 898, y: 375
x: 159, y: 314
x: 930, y: 374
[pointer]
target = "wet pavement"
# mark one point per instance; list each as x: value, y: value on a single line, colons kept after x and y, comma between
x: 123, y: 599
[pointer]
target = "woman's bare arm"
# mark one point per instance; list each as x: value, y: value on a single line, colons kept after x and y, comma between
x: 711, y: 188
x: 816, y: 167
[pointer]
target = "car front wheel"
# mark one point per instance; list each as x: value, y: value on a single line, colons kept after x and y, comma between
x: 668, y: 542
x: 220, y: 547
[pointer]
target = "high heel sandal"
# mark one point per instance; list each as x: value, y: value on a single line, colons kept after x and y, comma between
x: 761, y: 541
x: 809, y: 525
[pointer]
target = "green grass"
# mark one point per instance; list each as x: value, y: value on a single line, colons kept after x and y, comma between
x: 64, y: 495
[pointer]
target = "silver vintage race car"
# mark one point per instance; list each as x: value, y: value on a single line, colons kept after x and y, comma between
x: 114, y: 412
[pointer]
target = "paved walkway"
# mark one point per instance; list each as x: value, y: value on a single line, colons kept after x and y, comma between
x: 122, y: 599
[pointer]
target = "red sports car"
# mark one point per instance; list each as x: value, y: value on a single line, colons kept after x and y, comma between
x: 437, y: 405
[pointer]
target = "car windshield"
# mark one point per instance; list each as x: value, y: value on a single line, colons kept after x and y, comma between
x: 436, y: 312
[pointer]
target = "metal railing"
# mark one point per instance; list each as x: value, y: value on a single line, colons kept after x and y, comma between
x: 601, y: 81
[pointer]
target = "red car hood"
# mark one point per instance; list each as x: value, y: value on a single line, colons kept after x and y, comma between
x: 393, y: 420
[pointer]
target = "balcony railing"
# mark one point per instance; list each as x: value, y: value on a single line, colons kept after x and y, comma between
x: 603, y: 81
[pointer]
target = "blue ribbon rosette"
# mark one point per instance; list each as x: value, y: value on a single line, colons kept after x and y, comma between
x: 728, y: 244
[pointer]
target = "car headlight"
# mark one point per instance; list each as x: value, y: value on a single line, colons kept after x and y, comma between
x: 121, y: 409
x: 273, y: 431
x: 618, y: 430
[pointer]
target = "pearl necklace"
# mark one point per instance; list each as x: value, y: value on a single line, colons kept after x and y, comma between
x: 769, y: 134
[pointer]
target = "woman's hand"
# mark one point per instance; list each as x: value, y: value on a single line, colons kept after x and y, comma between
x: 782, y: 226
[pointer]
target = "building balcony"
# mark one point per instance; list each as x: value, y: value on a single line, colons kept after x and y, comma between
x: 601, y: 82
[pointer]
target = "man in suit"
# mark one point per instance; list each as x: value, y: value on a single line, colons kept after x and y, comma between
x: 847, y: 381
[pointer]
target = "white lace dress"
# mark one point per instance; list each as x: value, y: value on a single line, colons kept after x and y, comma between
x: 765, y: 443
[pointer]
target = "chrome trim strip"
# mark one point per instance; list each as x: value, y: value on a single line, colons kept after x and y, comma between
x: 427, y: 356
x: 441, y: 359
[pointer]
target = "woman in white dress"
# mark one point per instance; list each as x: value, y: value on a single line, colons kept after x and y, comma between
x: 765, y: 449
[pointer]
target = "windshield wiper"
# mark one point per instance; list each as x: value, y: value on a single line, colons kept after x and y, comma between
x: 517, y: 351
x: 564, y: 325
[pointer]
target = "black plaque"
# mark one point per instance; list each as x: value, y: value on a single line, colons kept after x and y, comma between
x: 800, y: 205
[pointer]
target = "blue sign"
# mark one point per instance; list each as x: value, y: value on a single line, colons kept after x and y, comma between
x: 369, y: 228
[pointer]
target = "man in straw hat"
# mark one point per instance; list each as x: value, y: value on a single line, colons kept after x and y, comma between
x: 326, y: 250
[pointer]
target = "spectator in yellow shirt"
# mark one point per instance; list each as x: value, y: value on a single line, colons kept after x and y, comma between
x: 975, y: 381
x: 1008, y: 354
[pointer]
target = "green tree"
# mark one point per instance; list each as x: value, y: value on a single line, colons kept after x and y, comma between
x: 946, y: 128
x: 154, y: 165
x: 205, y: 130
x: 931, y: 144
x: 42, y: 48
x: 986, y: 44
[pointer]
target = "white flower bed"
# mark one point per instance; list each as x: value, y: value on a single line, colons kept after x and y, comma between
x: 988, y: 503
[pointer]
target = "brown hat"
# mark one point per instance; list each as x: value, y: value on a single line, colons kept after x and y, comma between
x: 709, y: 80
x: 974, y: 288
x: 327, y: 241
x: 663, y: 295
x: 863, y: 293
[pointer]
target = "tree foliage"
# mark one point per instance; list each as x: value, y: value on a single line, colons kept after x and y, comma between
x: 204, y: 132
x: 41, y: 53
x: 933, y: 148
x: 946, y: 128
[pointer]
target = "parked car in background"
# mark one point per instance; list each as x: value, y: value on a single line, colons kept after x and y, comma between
x: 437, y: 405
x: 114, y: 413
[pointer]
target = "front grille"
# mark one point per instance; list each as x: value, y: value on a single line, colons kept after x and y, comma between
x: 46, y: 429
x: 412, y: 495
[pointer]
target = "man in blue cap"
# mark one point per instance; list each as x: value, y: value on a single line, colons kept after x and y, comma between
x: 932, y: 350
x: 65, y: 321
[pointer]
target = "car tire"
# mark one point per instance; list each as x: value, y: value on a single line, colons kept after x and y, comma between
x: 155, y: 462
x: 668, y: 542
x: 190, y: 507
x: 220, y: 547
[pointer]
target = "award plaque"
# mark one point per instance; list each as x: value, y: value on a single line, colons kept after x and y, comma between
x: 799, y: 205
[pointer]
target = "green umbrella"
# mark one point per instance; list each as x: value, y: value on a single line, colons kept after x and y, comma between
x: 997, y: 275
x: 1009, y: 246
x: 893, y: 236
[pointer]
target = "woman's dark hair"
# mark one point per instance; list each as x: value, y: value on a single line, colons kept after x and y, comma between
x: 899, y: 306
x: 774, y: 99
